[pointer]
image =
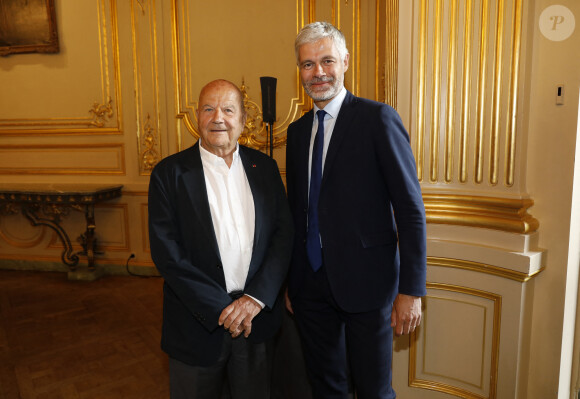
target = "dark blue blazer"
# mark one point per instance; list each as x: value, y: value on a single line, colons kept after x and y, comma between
x: 185, y: 250
x: 371, y: 213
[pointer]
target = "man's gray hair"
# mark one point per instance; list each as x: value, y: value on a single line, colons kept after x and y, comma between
x: 319, y: 30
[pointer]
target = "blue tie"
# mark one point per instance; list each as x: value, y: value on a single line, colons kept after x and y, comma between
x: 313, y: 235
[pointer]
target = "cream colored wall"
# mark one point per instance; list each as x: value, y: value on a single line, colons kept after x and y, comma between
x: 550, y: 151
x: 124, y: 51
x: 79, y: 116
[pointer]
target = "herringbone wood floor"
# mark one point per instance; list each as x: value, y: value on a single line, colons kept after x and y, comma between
x: 91, y: 340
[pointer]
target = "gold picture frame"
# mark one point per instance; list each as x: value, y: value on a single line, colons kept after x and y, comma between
x: 28, y: 26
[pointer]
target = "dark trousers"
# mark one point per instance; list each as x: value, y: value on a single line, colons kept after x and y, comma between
x: 335, y: 342
x: 244, y: 366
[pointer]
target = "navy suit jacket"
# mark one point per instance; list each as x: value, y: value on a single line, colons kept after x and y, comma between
x: 185, y: 250
x: 371, y: 213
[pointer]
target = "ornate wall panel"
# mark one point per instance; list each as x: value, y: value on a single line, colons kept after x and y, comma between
x: 265, y: 47
x: 466, y: 93
x: 63, y: 159
x: 74, y: 92
x: 145, y: 222
x: 20, y: 235
x: 440, y: 356
x: 147, y: 82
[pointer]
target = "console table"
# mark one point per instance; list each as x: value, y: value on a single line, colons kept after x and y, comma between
x: 46, y: 204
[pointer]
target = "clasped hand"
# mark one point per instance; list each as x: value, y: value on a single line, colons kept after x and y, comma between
x: 237, y: 317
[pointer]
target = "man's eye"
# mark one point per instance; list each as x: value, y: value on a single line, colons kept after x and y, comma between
x: 307, y: 65
x: 328, y: 62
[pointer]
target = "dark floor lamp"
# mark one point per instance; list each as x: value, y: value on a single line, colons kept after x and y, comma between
x: 269, y: 107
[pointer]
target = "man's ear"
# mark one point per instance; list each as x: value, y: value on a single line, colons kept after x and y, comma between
x: 346, y: 58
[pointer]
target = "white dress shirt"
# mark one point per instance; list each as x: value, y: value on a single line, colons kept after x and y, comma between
x: 331, y: 109
x: 232, y: 211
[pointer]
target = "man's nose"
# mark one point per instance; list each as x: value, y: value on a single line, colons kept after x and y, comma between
x: 319, y: 70
x: 218, y: 116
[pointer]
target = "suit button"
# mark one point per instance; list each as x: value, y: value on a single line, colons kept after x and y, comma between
x: 305, y: 210
x: 219, y: 266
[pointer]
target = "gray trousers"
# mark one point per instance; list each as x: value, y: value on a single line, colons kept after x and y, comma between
x: 243, y: 370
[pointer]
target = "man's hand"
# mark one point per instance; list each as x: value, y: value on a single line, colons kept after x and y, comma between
x: 237, y: 316
x: 406, y: 314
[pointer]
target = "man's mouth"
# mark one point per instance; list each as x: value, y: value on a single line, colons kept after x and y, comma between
x: 320, y: 83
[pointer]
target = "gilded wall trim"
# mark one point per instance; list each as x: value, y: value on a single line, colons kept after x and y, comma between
x: 186, y: 102
x: 386, y: 55
x: 482, y: 268
x: 38, y: 234
x: 481, y: 92
x: 496, y: 96
x: 147, y: 83
x: 446, y: 388
x: 486, y: 212
x: 436, y: 94
x: 421, y: 88
x: 73, y: 159
x: 451, y: 79
x: 465, y: 90
x: 104, y: 116
x: 516, y: 41
x: 292, y: 101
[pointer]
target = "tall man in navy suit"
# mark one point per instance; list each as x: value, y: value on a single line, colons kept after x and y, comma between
x: 221, y: 237
x: 359, y: 261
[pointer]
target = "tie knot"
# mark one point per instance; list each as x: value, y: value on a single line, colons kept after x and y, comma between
x: 320, y: 115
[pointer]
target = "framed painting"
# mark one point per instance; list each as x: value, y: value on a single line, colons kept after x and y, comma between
x: 28, y: 26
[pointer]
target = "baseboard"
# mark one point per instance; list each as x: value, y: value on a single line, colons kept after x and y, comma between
x: 81, y: 273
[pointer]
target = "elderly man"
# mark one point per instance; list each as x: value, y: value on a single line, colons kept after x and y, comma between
x: 359, y: 262
x: 221, y: 237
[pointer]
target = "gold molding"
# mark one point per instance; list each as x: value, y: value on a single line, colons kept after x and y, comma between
x: 148, y: 143
x: 386, y: 55
x: 513, y: 94
x: 494, y: 361
x: 146, y: 79
x: 101, y: 110
x: 144, y: 222
x: 421, y: 90
x: 482, y: 268
x: 119, y: 150
x: 496, y: 96
x: 436, y: 94
x: 101, y: 113
x: 185, y: 104
x: 254, y: 127
x: 40, y: 233
x: 481, y: 82
x: 496, y: 213
x: 451, y: 77
x: 465, y: 90
x: 346, y: 15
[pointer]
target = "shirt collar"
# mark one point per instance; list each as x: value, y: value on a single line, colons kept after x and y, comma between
x: 211, y: 158
x: 334, y: 105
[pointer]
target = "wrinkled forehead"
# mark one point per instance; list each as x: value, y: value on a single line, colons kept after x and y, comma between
x: 221, y: 92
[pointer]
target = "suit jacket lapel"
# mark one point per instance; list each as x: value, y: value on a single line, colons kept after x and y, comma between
x: 340, y: 132
x: 194, y: 182
x: 256, y: 182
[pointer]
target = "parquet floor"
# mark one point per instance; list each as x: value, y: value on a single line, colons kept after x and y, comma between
x: 91, y: 340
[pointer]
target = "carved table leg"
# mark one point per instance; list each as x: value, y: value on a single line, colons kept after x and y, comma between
x: 68, y: 257
x: 88, y: 240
